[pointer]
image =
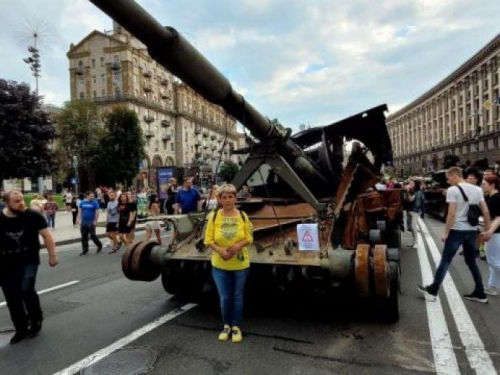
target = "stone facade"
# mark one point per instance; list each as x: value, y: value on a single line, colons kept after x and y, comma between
x: 181, y: 128
x: 459, y: 116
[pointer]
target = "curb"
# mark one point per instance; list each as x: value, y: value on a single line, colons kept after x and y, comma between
x: 78, y: 239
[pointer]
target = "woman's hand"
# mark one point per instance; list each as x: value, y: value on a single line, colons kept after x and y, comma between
x: 225, y: 254
x: 234, y: 249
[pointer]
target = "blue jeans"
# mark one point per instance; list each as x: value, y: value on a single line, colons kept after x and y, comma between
x: 231, y: 285
x: 18, y: 286
x: 51, y: 220
x: 457, y: 238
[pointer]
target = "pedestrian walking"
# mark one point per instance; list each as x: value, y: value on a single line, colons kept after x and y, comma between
x: 68, y: 199
x: 187, y: 198
x: 228, y: 233
x: 74, y: 210
x: 50, y: 209
x: 171, y: 196
x: 88, y: 214
x: 213, y: 199
x: 112, y: 221
x: 20, y: 229
x: 491, y: 186
x: 461, y: 230
x: 124, y: 219
x: 415, y: 208
x: 133, y: 215
x: 153, y: 225
x: 36, y: 203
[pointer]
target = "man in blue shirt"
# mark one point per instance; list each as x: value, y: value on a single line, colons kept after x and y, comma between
x: 88, y: 214
x: 187, y: 198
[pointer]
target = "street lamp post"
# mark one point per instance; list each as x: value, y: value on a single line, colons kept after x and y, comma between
x: 34, y: 62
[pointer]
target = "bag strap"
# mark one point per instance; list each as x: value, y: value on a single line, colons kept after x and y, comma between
x: 463, y: 194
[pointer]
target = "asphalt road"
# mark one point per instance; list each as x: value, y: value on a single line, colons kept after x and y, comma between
x: 96, y: 310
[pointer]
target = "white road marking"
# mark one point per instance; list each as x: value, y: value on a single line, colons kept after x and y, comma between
x: 2, y: 304
x: 445, y: 360
x: 97, y: 356
x: 478, y: 357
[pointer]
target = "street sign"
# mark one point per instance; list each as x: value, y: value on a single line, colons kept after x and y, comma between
x: 487, y: 104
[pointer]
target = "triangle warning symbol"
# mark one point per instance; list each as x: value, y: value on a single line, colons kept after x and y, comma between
x: 307, y: 237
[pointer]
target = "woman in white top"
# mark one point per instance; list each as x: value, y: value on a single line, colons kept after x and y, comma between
x: 213, y: 201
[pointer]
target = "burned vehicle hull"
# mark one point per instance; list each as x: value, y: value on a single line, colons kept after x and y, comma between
x: 307, y: 183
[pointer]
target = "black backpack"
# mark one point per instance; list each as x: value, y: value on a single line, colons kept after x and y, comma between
x: 474, y: 210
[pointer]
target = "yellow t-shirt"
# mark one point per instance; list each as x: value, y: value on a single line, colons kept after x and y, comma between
x: 226, y: 231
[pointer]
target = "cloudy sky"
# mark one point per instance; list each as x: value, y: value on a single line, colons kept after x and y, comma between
x: 309, y: 62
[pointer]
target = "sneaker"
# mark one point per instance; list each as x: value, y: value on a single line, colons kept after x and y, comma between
x: 476, y: 297
x: 224, y: 335
x: 490, y: 291
x: 98, y: 249
x: 429, y: 296
x: 83, y: 253
x: 19, y: 336
x: 236, y: 335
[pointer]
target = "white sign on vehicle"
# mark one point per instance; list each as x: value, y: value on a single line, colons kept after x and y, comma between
x: 307, y: 234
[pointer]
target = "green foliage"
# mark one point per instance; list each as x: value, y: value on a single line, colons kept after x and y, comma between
x: 228, y: 170
x: 121, y: 149
x: 26, y: 132
x: 59, y: 199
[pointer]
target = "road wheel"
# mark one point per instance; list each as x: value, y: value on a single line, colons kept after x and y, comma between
x: 390, y: 306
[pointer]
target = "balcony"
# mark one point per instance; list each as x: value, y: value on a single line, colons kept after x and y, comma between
x: 213, y: 137
x: 165, y: 123
x: 166, y: 137
x: 205, y: 147
x: 147, y: 74
x: 197, y: 155
x: 197, y: 144
x: 197, y: 130
x: 149, y: 134
x: 149, y: 119
x: 115, y: 65
x: 164, y: 82
x: 80, y: 71
x: 205, y: 133
x: 214, y: 147
x: 148, y: 88
x: 164, y: 96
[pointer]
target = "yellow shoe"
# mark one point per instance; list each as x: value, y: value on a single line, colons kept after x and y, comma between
x: 224, y: 335
x: 236, y: 335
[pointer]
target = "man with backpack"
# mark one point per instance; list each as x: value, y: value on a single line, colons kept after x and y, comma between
x: 465, y: 205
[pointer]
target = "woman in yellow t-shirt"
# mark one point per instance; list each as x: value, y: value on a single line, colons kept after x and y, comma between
x: 229, y: 232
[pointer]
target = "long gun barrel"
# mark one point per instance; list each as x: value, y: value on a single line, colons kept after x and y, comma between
x: 175, y: 53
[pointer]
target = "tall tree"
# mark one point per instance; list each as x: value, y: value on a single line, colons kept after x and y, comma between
x: 122, y: 148
x: 228, y: 170
x: 79, y: 133
x: 26, y: 133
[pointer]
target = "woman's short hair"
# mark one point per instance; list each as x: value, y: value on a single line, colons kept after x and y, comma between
x: 492, y: 180
x: 227, y: 189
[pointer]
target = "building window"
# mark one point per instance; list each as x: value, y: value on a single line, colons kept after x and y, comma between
x: 135, y: 79
x: 93, y: 63
x: 117, y: 92
x: 80, y: 64
x: 95, y: 94
x: 102, y: 61
x: 165, y: 145
x: 135, y: 61
x: 172, y: 146
x: 81, y: 80
x: 103, y: 93
x: 103, y: 78
x: 116, y: 77
x: 82, y: 96
x: 94, y: 78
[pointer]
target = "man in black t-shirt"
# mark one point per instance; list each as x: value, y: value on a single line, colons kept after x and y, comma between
x: 19, y: 260
x: 132, y: 206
